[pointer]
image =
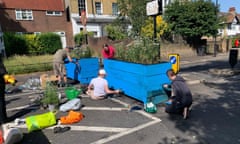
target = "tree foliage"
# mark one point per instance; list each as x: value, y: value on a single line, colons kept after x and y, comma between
x: 193, y: 19
x: 115, y: 32
x: 135, y: 12
x: 148, y: 30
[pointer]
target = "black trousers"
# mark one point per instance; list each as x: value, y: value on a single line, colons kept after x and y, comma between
x: 3, y: 113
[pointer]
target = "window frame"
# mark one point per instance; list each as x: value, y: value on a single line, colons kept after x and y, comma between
x: 54, y: 13
x: 81, y: 6
x: 115, y: 9
x: 19, y: 13
x: 98, y: 10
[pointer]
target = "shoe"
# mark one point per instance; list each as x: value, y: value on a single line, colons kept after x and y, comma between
x: 185, y: 113
x: 61, y: 129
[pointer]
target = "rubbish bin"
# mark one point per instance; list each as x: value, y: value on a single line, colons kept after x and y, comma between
x: 201, y: 51
x: 233, y: 57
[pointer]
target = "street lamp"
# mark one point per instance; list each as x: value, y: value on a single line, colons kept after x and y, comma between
x: 215, y: 37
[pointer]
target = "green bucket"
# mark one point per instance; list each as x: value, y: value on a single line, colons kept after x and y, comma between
x: 72, y: 92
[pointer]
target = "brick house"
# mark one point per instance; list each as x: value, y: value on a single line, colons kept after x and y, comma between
x: 36, y: 16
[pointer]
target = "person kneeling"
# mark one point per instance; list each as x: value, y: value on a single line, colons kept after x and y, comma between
x: 180, y: 100
x: 98, y: 87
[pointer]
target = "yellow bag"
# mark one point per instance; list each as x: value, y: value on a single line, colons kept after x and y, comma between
x: 41, y: 121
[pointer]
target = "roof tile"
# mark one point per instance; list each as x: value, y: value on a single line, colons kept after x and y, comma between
x: 54, y: 5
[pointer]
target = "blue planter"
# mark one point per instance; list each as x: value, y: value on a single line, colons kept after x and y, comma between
x: 84, y: 70
x: 139, y: 81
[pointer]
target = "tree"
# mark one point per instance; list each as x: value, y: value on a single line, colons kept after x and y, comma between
x: 135, y: 12
x: 161, y: 27
x: 193, y: 19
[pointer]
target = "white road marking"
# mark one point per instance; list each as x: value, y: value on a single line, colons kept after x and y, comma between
x: 132, y: 130
x: 104, y: 108
x: 23, y: 107
x: 120, y: 131
x: 80, y: 128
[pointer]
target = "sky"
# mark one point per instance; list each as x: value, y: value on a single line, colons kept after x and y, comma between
x: 226, y: 4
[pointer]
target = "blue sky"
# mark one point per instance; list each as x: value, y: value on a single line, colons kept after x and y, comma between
x: 226, y: 4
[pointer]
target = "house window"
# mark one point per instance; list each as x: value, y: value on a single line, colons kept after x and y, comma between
x: 81, y: 6
x: 54, y: 13
x: 24, y: 15
x: 233, y: 27
x: 98, y: 8
x: 114, y: 9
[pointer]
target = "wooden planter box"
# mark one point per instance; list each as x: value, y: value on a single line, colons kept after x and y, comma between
x: 139, y: 81
x: 84, y: 71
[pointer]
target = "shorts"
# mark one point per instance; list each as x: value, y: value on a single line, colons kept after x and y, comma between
x: 59, y: 69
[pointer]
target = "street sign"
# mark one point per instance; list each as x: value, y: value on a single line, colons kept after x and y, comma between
x: 174, y: 60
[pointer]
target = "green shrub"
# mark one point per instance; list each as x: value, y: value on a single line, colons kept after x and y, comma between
x: 48, y: 43
x: 31, y: 44
x: 15, y: 44
x: 114, y: 32
x: 142, y: 51
x: 81, y: 52
x: 80, y: 38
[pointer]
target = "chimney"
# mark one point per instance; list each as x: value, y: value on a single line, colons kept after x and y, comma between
x: 232, y: 10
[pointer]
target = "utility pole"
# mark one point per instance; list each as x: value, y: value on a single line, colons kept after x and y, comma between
x: 215, y: 37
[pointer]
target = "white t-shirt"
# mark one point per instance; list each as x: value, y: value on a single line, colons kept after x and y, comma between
x: 98, y: 86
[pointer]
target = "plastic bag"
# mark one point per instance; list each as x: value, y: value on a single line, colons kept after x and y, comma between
x: 73, y: 104
x: 32, y: 84
x: 41, y: 121
x: 150, y: 107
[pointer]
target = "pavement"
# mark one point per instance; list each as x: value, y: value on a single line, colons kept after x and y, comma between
x: 213, y: 120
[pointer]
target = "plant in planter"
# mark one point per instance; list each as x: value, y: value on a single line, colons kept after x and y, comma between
x: 138, y: 71
x: 50, y: 96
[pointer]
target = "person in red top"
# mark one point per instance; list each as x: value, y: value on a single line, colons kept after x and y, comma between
x: 108, y: 51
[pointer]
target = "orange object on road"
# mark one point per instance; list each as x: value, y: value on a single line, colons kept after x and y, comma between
x: 72, y: 117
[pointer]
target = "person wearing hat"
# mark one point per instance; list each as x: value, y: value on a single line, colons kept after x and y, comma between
x: 108, y: 51
x: 58, y: 64
x: 98, y: 87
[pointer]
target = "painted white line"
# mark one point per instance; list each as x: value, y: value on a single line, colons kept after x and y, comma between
x: 98, y: 129
x: 103, y: 108
x: 80, y: 128
x: 148, y: 115
x: 120, y: 102
x: 23, y: 107
x: 132, y: 130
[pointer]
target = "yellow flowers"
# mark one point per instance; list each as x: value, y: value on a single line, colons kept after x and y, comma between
x: 147, y: 30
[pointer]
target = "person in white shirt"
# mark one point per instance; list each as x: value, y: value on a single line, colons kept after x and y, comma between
x: 98, y: 87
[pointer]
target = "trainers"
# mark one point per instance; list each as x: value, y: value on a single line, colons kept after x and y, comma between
x: 185, y: 113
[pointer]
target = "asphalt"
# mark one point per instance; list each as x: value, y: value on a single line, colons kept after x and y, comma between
x: 213, y: 120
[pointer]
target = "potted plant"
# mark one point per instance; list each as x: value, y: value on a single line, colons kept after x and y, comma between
x: 138, y: 71
x: 85, y: 67
x: 50, y: 96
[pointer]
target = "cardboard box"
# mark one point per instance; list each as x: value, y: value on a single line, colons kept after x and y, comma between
x: 45, y: 77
